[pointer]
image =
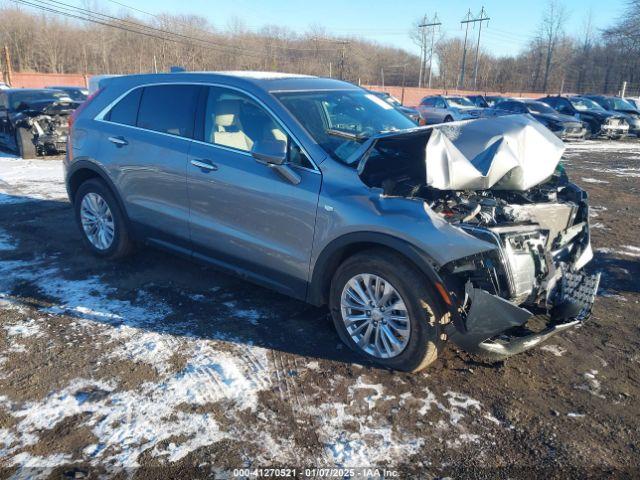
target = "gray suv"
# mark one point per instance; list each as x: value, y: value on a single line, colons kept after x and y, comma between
x: 322, y: 191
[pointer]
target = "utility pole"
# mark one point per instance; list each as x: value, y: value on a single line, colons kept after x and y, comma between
x: 382, y: 76
x: 481, y: 18
x: 7, y: 62
x: 466, y: 21
x: 330, y: 71
x: 624, y: 89
x: 435, y: 23
x: 343, y: 53
x: 423, y: 49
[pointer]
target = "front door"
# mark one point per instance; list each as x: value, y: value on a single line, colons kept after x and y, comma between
x: 243, y: 214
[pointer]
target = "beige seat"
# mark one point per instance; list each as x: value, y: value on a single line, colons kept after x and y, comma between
x: 227, y: 129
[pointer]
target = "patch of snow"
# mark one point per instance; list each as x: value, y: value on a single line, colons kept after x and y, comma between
x: 27, y: 180
x: 29, y: 328
x: 575, y: 415
x: 593, y: 385
x: 593, y: 180
x: 554, y: 349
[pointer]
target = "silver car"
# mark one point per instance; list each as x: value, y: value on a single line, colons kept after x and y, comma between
x: 447, y: 108
x: 322, y: 191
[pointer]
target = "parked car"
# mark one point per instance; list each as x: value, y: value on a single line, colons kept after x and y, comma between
x: 412, y: 113
x: 311, y: 187
x: 493, y: 100
x: 621, y: 106
x: 34, y: 122
x: 635, y: 101
x: 77, y: 94
x: 4, y: 86
x: 600, y: 122
x: 564, y: 126
x: 447, y: 108
x: 479, y: 101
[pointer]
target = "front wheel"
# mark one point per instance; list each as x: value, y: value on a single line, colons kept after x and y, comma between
x: 24, y: 143
x: 448, y: 119
x: 383, y: 308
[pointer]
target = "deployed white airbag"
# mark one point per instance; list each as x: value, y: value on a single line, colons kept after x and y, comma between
x: 513, y: 152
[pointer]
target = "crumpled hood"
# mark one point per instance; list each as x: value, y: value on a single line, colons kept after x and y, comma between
x: 514, y: 152
x: 503, y: 153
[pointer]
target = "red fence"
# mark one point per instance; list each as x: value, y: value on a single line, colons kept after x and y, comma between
x: 41, y: 80
x: 413, y: 95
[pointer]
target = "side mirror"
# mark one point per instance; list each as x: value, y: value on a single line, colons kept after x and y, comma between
x: 271, y: 152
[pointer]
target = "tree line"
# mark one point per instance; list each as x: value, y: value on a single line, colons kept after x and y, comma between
x: 89, y: 41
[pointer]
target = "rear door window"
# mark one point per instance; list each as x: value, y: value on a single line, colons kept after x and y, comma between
x: 126, y: 110
x: 169, y: 109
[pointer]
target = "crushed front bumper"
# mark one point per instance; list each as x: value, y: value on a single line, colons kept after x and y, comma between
x: 496, y: 328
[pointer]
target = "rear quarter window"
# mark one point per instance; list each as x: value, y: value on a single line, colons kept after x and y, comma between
x: 169, y: 109
x: 126, y: 110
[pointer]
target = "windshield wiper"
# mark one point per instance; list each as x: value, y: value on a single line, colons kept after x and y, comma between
x: 356, y: 137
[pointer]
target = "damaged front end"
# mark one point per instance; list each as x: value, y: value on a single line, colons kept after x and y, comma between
x: 531, y: 285
x: 502, y: 183
x: 48, y: 125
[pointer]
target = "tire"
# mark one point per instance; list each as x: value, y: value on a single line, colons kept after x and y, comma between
x: 24, y: 143
x: 448, y: 119
x: 425, y: 311
x: 121, y: 243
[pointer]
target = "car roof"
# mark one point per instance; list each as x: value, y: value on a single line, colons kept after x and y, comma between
x: 269, y: 81
x: 61, y: 87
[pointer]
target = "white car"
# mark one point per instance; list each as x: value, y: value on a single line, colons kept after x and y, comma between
x: 447, y: 108
x: 4, y: 86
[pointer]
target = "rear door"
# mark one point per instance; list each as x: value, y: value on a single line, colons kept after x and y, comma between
x: 244, y: 215
x: 147, y: 137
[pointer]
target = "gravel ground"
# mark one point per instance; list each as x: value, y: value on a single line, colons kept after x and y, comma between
x: 160, y: 368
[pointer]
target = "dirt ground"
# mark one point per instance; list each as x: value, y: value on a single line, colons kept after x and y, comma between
x: 157, y: 367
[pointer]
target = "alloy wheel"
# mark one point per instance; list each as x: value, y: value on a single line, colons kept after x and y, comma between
x: 375, y: 315
x: 97, y: 221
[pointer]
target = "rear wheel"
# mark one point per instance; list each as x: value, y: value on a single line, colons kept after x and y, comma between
x: 101, y: 221
x: 383, y: 308
x: 448, y: 119
x: 24, y: 143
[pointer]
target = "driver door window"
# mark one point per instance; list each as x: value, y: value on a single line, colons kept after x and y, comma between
x: 233, y: 120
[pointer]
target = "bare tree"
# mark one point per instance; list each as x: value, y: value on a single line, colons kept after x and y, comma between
x: 551, y: 29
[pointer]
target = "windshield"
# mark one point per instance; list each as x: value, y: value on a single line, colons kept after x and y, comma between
x: 25, y: 99
x: 541, y: 108
x: 459, y: 102
x: 582, y: 104
x: 340, y: 120
x: 621, y: 104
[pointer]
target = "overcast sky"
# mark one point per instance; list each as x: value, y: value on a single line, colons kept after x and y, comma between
x: 512, y: 24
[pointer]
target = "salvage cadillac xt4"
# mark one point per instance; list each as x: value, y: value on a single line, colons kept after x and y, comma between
x: 318, y: 189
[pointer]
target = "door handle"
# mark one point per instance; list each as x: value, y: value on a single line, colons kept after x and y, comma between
x: 119, y: 141
x: 204, y: 164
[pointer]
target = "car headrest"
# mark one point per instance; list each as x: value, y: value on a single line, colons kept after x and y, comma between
x: 227, y: 113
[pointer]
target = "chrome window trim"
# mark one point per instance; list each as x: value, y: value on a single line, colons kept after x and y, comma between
x: 100, y: 118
